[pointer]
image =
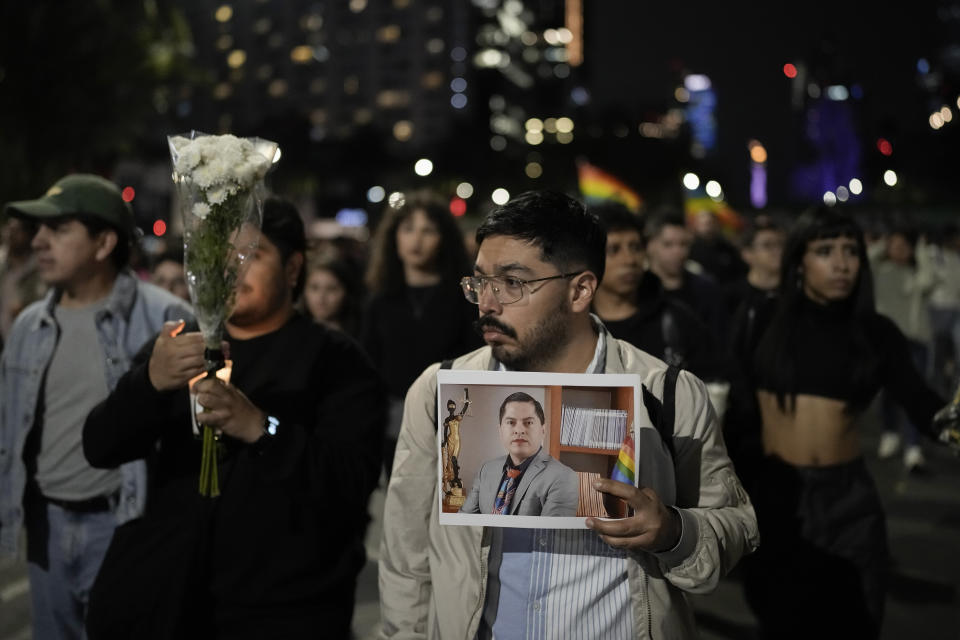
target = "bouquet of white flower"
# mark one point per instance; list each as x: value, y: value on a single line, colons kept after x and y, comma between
x: 219, y: 181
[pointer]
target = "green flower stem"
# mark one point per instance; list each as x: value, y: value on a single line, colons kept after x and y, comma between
x: 211, y: 260
x: 209, y: 467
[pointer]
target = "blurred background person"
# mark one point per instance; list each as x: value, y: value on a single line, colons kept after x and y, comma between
x: 20, y: 283
x: 902, y: 291
x: 942, y: 258
x: 668, y: 249
x: 715, y: 254
x: 333, y: 294
x: 168, y: 273
x: 750, y: 302
x: 416, y: 314
x: 631, y: 302
x: 822, y: 358
x: 761, y: 247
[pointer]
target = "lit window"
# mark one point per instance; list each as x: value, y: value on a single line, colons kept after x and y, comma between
x: 277, y: 88
x: 389, y: 33
x: 403, y: 130
x: 222, y: 91
x: 301, y: 54
x: 236, y: 58
x: 223, y: 13
x: 432, y: 80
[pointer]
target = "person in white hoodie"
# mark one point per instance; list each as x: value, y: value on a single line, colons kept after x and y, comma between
x: 942, y: 260
x: 902, y: 288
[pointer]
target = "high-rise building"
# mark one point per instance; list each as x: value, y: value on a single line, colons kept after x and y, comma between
x: 395, y: 66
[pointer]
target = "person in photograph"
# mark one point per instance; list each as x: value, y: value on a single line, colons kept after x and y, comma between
x: 527, y: 481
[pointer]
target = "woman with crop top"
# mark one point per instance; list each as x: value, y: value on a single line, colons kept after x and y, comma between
x: 825, y: 353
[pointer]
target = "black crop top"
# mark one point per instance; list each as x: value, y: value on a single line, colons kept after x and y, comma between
x: 826, y: 356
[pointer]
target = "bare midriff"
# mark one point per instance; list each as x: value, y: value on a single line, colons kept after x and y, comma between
x: 817, y: 433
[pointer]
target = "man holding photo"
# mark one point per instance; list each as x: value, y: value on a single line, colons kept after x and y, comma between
x: 539, y: 261
x: 528, y: 481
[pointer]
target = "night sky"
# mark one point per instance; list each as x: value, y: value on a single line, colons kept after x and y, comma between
x: 638, y: 52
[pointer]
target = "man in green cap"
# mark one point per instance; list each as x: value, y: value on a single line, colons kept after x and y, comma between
x: 63, y: 356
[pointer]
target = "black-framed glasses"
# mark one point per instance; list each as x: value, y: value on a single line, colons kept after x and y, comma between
x: 506, y: 289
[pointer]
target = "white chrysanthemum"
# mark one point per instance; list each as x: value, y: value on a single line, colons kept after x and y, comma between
x: 220, y: 165
x: 201, y: 210
x: 218, y: 195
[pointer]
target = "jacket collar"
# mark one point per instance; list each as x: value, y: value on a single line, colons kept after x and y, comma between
x: 119, y: 302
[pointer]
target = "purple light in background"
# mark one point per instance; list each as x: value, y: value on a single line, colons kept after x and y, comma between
x: 758, y: 185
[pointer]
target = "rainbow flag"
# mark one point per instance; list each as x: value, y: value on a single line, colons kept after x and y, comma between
x: 625, y: 468
x: 730, y: 221
x: 597, y: 184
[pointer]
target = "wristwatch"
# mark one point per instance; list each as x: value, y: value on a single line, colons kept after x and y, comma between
x: 270, y: 426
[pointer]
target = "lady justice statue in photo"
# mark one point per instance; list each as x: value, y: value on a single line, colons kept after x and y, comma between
x: 453, y: 497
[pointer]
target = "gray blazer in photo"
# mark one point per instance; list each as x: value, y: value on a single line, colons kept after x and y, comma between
x: 547, y: 488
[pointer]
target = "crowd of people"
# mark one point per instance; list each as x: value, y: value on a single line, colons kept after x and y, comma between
x: 766, y: 344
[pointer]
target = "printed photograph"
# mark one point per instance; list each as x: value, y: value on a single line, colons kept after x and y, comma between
x: 529, y: 446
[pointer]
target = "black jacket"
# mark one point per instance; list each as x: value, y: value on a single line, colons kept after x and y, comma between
x: 278, y: 552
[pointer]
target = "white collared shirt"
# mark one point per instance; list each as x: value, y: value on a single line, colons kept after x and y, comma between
x: 557, y: 583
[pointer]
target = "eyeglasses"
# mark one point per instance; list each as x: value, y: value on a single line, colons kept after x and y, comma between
x: 506, y: 289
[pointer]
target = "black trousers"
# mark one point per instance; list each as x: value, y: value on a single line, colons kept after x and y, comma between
x: 821, y: 568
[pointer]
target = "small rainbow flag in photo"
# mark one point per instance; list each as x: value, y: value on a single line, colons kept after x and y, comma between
x: 597, y: 184
x: 625, y: 469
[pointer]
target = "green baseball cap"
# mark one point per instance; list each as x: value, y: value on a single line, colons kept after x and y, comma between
x: 79, y: 194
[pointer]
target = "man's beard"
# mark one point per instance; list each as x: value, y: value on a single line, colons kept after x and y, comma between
x: 541, y: 344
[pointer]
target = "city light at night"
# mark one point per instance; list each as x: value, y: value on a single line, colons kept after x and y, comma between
x: 691, y: 181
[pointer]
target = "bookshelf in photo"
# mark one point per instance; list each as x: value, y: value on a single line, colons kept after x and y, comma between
x: 587, y: 426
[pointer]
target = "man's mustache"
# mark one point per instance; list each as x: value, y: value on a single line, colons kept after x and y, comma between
x: 492, y: 323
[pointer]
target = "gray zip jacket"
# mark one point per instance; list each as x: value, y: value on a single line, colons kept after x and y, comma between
x: 134, y: 312
x: 433, y: 577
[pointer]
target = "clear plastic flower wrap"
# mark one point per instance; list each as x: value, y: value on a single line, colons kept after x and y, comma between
x: 220, y: 188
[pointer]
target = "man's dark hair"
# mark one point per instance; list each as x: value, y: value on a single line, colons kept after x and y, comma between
x: 759, y: 225
x: 174, y: 254
x: 568, y: 236
x: 520, y: 396
x: 120, y: 256
x: 283, y: 226
x: 616, y: 217
x: 663, y: 218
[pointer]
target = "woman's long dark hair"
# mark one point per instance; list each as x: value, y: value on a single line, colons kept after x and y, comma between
x: 776, y: 361
x: 385, y: 273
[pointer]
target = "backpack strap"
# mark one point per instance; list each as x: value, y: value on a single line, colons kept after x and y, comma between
x: 662, y: 412
x: 668, y: 414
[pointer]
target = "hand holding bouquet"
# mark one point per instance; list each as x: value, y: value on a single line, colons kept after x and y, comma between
x: 219, y: 181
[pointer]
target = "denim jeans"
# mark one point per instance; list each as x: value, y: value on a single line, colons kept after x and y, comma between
x: 76, y: 545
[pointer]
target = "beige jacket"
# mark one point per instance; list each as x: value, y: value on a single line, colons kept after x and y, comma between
x: 433, y: 577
